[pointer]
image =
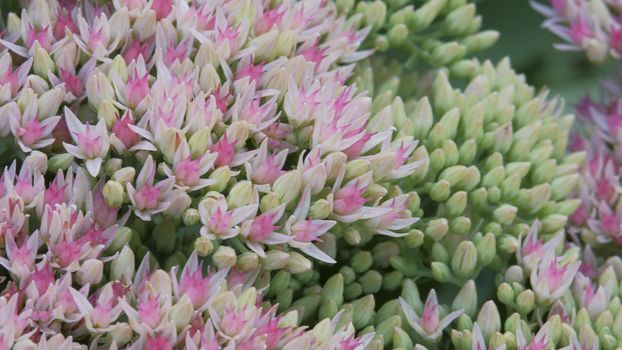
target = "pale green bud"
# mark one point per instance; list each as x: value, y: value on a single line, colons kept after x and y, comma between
x: 447, y: 53
x: 375, y: 14
x: 112, y: 166
x: 356, y: 168
x: 181, y: 313
x: 247, y: 261
x: 505, y: 293
x: 107, y: 112
x: 488, y: 319
x: 371, y: 282
x: 241, y: 194
x: 288, y: 186
x: 457, y: 21
x: 562, y: 186
x: 479, y: 198
x: 59, y: 162
x: 274, y: 260
x: 386, y: 327
x: 437, y: 160
x: 440, y: 191
x: 306, y: 306
x: 285, y: 43
x: 466, y: 299
x: 222, y: 175
x: 461, y: 225
x: 439, y: 253
x: 113, y: 193
x: 467, y: 151
x: 398, y: 34
x: 401, y: 340
x: 42, y: 62
x: 328, y: 309
x: 361, y: 261
x: 297, y: 263
x: 124, y: 175
x: 191, y: 217
x: 90, y: 272
x: 423, y: 118
x: 414, y: 238
x: 225, y: 257
x: 456, y: 204
x: 494, y: 177
x: 321, y: 209
x: 352, y: 291
x: 481, y: 41
x: 464, y: 260
x: 344, y: 6
x: 437, y: 229
x: 425, y: 15
x: 505, y: 214
x: 352, y: 236
x: 440, y: 271
x: 333, y: 290
x: 121, y: 238
x: 486, y: 249
x: 98, y: 89
x: 122, y: 268
x: 279, y: 282
x: 525, y: 301
x: 410, y: 293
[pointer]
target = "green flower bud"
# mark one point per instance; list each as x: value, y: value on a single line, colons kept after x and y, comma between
x: 362, y: 311
x: 222, y: 175
x: 122, y: 268
x: 284, y: 299
x: 467, y: 151
x: 461, y: 339
x: 279, y: 282
x: 398, y: 34
x: 240, y: 195
x: 464, y: 260
x: 488, y: 319
x: 386, y: 327
x: 42, y: 62
x: 191, y: 217
x: 288, y: 186
x: 59, y: 162
x: 414, y: 238
x: 247, y: 261
x: 466, y: 300
x: 361, y: 261
x: 371, y: 282
x: 440, y: 272
x: 439, y: 253
x: 392, y: 280
x: 486, y: 249
x: 525, y: 301
x: 164, y: 236
x: 297, y: 263
x: 307, y: 306
x: 425, y: 15
x: 328, y: 309
x: 269, y: 201
x: 321, y: 209
x: 554, y: 222
x: 275, y: 260
x: 401, y: 339
x: 333, y: 290
x: 352, y: 291
x: 203, y: 246
x: 224, y: 257
x: 375, y: 14
x: 456, y: 204
x: 480, y: 41
x: 437, y: 229
x: 440, y: 191
x: 113, y: 193
x: 505, y: 293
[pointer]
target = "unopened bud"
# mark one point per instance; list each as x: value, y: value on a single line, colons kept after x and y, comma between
x: 221, y: 176
x: 90, y: 272
x: 113, y: 193
x: 288, y: 185
x: 181, y: 313
x: 297, y: 263
x: 488, y: 319
x: 321, y: 209
x: 274, y: 260
x: 191, y: 217
x: 42, y: 63
x: 122, y: 267
x: 203, y: 246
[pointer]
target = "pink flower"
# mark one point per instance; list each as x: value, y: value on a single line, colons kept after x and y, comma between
x: 92, y: 142
x: 551, y: 277
x: 429, y: 326
x: 220, y: 222
x: 149, y: 198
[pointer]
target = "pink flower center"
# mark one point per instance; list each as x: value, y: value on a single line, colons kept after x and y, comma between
x: 135, y: 50
x: 137, y: 89
x: 262, y: 227
x: 31, y: 132
x: 349, y: 199
x: 430, y: 320
x: 195, y: 286
x: 225, y: 151
x: 268, y: 171
x: 149, y: 312
x: 41, y: 36
x: 72, y: 83
x: 232, y: 321
x: 187, y: 171
x: 162, y: 8
x: 147, y: 197
x: 123, y: 132
x: 90, y: 143
x: 555, y: 276
x: 219, y: 222
x: 253, y: 72
x: 64, y: 21
x: 67, y: 252
x: 580, y: 31
x: 305, y: 231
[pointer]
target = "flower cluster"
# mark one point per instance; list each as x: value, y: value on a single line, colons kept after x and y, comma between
x: 243, y: 174
x: 591, y: 26
x: 437, y: 32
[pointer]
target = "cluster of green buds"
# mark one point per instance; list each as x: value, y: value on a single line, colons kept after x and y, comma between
x: 436, y: 32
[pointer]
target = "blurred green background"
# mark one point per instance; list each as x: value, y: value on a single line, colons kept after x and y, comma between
x: 528, y: 45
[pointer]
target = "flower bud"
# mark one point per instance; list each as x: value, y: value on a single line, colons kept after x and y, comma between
x: 121, y: 333
x: 488, y: 319
x: 124, y: 175
x: 466, y: 299
x: 352, y: 291
x: 113, y: 193
x: 98, y: 89
x: 247, y: 261
x: 191, y: 217
x: 274, y: 260
x: 486, y: 249
x: 122, y: 268
x: 414, y: 238
x: 505, y: 293
x: 224, y: 257
x: 440, y: 191
x: 179, y: 202
x: 121, y: 238
x: 456, y: 204
x: 464, y: 261
x: 398, y: 34
x: 288, y: 186
x: 361, y: 261
x: 371, y: 282
x: 59, y: 162
x: 481, y: 41
x: 440, y: 271
x: 505, y: 214
x: 269, y: 201
x: 525, y: 302
x: 457, y: 21
x: 221, y: 176
x: 425, y: 15
x: 297, y: 263
x: 320, y: 209
x: 181, y: 313
x: 203, y: 246
x: 386, y: 327
x: 375, y: 14
x: 333, y: 290
x: 42, y: 62
x: 437, y: 229
x: 90, y: 272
